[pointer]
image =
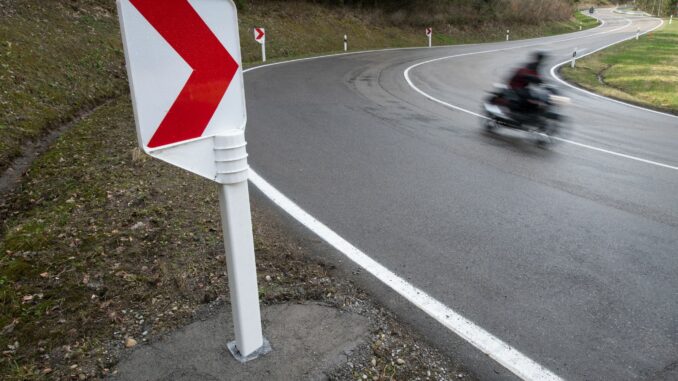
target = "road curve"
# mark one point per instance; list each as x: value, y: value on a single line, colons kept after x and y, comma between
x: 568, y: 254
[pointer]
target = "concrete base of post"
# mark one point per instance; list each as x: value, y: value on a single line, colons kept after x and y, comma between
x: 264, y: 349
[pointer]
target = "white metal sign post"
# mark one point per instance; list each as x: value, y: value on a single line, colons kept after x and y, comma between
x: 429, y: 34
x: 260, y: 37
x: 184, y: 67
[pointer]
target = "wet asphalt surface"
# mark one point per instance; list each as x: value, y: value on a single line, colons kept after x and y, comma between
x: 568, y: 254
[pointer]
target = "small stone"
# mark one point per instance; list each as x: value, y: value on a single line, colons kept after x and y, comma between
x: 74, y: 366
x: 130, y: 342
x: 400, y: 361
x: 47, y: 371
x: 374, y: 361
x: 364, y: 377
x: 82, y: 376
x: 45, y: 275
x: 268, y: 278
x: 138, y: 225
x: 460, y: 375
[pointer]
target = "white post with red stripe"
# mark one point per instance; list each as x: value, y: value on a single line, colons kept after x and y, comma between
x: 429, y: 34
x: 345, y: 43
x: 260, y: 37
x: 173, y: 51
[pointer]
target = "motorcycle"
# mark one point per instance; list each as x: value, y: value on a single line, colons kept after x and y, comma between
x: 543, y: 121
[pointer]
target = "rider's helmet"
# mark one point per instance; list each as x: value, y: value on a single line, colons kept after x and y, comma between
x: 539, y: 57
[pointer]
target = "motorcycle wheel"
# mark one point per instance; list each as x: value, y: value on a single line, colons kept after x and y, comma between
x: 489, y: 124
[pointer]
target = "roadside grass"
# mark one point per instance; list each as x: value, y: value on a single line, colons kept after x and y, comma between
x: 299, y: 29
x: 56, y: 59
x: 643, y: 72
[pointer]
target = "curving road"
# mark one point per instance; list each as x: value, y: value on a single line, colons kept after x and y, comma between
x: 569, y: 255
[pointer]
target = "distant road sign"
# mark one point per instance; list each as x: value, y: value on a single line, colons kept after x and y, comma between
x: 260, y: 35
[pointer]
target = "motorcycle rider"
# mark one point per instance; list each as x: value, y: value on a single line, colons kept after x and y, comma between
x: 521, y: 81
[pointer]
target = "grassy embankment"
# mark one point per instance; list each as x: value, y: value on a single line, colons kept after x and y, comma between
x: 643, y: 72
x: 98, y: 244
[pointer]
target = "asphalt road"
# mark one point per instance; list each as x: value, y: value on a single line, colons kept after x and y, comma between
x: 568, y: 254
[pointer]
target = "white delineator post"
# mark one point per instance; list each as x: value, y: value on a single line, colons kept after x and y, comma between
x: 574, y: 57
x: 345, y: 43
x: 508, y: 32
x: 263, y: 51
x: 637, y: 33
x: 670, y: 19
x: 429, y: 34
x: 232, y: 172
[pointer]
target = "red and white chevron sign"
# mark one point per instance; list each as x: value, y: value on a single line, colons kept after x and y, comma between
x: 429, y: 31
x: 260, y: 35
x: 183, y: 62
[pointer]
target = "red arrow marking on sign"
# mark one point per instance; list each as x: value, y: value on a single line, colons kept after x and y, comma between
x: 213, y: 68
x: 260, y: 33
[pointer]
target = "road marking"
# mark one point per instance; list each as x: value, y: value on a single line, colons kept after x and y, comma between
x: 495, y: 348
x: 618, y: 154
x: 582, y: 145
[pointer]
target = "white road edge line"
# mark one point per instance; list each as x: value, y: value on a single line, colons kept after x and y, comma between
x: 505, y: 355
x: 582, y: 145
x: 499, y: 351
